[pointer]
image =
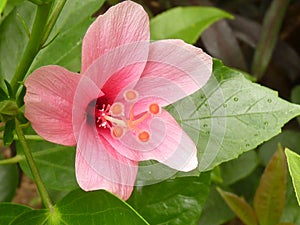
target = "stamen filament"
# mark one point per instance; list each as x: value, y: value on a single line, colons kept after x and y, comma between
x: 116, y: 121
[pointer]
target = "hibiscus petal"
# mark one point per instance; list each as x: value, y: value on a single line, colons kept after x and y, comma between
x: 99, y: 166
x: 122, y: 24
x: 48, y: 103
x: 174, y: 70
x: 168, y: 144
x: 84, y: 104
x: 119, y: 68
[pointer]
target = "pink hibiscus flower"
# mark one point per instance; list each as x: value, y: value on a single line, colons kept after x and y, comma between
x: 113, y: 111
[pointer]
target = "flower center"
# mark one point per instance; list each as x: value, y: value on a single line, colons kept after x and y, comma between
x: 113, y: 116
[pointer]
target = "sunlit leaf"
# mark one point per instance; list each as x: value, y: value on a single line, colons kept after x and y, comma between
x: 190, y: 22
x: 293, y: 160
x: 231, y: 115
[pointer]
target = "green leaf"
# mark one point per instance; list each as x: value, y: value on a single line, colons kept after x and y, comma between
x: 288, y: 138
x: 8, y: 110
x: 231, y: 115
x: 56, y: 164
x: 270, y: 30
x: 174, y: 201
x: 67, y: 35
x: 79, y: 207
x: 293, y: 160
x: 14, y: 38
x: 190, y: 22
x: 10, y: 211
x: 291, y: 209
x: 240, y: 207
x: 295, y: 97
x: 9, y: 177
x: 215, y: 211
x: 10, y: 5
x: 239, y: 168
x: 269, y: 199
x: 2, y: 5
x: 8, y: 136
x: 3, y: 94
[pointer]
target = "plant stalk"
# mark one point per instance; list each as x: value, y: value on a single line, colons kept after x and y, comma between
x: 33, y: 168
x: 33, y: 46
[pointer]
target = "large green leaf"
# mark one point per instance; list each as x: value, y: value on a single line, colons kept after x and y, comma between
x: 9, y: 177
x: 67, y: 35
x: 174, y: 201
x: 269, y: 199
x: 240, y: 207
x: 8, y: 212
x: 231, y: 115
x: 56, y: 164
x: 190, y: 22
x: 79, y: 207
x: 14, y: 38
x: 293, y: 160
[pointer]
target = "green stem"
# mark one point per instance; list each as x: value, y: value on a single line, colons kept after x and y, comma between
x: 33, y: 46
x: 12, y: 160
x: 57, y: 8
x: 34, y: 170
x: 29, y: 137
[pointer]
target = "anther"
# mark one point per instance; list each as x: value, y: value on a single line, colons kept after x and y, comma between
x: 117, y: 109
x: 144, y: 136
x: 117, y: 131
x: 154, y: 108
x: 130, y: 95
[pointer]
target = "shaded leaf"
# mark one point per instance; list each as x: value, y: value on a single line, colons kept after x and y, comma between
x: 9, y: 177
x: 249, y: 32
x: 291, y: 209
x: 79, y: 207
x: 239, y: 168
x: 215, y: 211
x: 190, y: 22
x: 293, y: 160
x: 67, y: 35
x: 8, y: 110
x: 231, y: 115
x: 14, y: 38
x: 269, y: 199
x: 221, y: 43
x: 55, y: 164
x: 288, y: 138
x: 240, y: 207
x: 10, y: 211
x: 8, y: 136
x: 270, y: 29
x: 174, y: 201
